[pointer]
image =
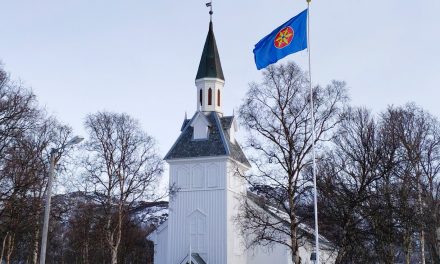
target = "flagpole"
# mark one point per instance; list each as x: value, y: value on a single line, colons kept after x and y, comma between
x: 190, y: 253
x: 315, y: 196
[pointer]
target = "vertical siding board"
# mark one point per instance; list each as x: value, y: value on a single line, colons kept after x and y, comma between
x: 212, y: 202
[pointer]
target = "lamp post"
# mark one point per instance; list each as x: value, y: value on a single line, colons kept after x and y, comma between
x: 313, y: 257
x: 53, y: 153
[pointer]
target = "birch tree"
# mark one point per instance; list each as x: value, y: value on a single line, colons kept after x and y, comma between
x: 418, y: 134
x: 277, y: 116
x: 123, y: 166
x: 361, y: 155
x: 26, y: 136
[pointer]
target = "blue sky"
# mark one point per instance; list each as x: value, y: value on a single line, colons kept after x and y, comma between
x: 141, y: 57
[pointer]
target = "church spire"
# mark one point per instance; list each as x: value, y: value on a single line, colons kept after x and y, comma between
x: 210, y: 79
x: 210, y: 66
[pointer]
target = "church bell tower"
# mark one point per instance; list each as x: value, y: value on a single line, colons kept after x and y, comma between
x: 205, y: 164
x: 209, y: 78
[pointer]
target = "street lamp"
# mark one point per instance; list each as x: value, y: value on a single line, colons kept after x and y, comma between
x: 53, y: 153
x: 313, y: 257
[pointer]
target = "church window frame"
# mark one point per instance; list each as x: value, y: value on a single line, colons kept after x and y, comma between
x: 198, y: 231
x: 201, y: 97
x: 198, y: 177
x: 183, y: 177
x: 213, y: 176
x: 218, y: 97
x: 210, y: 96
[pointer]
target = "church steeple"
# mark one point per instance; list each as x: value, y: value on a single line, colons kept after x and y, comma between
x: 210, y: 65
x: 210, y: 79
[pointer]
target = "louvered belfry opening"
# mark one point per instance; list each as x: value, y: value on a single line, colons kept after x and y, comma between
x: 209, y: 96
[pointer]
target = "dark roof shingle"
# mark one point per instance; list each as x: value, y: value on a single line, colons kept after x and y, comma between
x: 217, y: 144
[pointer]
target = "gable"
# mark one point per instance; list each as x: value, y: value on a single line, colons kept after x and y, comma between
x: 200, y: 125
x: 196, y: 259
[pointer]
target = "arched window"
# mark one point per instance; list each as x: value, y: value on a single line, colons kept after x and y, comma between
x: 209, y: 96
x: 218, y: 97
x: 198, y: 230
x: 200, y: 96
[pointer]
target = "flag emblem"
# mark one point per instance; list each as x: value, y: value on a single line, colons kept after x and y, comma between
x: 284, y: 37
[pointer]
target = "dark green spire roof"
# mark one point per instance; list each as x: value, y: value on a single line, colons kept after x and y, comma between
x: 210, y: 65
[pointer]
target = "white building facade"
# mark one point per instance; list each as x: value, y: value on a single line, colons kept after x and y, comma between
x: 205, y: 164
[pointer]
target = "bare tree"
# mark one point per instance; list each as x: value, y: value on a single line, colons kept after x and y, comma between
x: 123, y: 166
x: 17, y: 114
x: 26, y: 136
x: 25, y: 175
x: 277, y: 115
x: 349, y: 175
x: 418, y: 132
x: 379, y: 187
x: 430, y: 165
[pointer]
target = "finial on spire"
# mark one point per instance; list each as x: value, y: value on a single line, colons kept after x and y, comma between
x: 209, y: 4
x: 186, y: 116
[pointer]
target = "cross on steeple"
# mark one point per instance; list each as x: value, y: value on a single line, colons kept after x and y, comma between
x: 209, y: 4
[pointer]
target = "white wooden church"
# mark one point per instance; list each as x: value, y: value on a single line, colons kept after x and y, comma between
x: 202, y: 168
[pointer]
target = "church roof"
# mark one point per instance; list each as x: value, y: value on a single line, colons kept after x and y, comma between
x: 210, y: 66
x: 217, y: 144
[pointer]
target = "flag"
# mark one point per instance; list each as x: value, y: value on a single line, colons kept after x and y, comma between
x: 209, y: 4
x: 288, y: 38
